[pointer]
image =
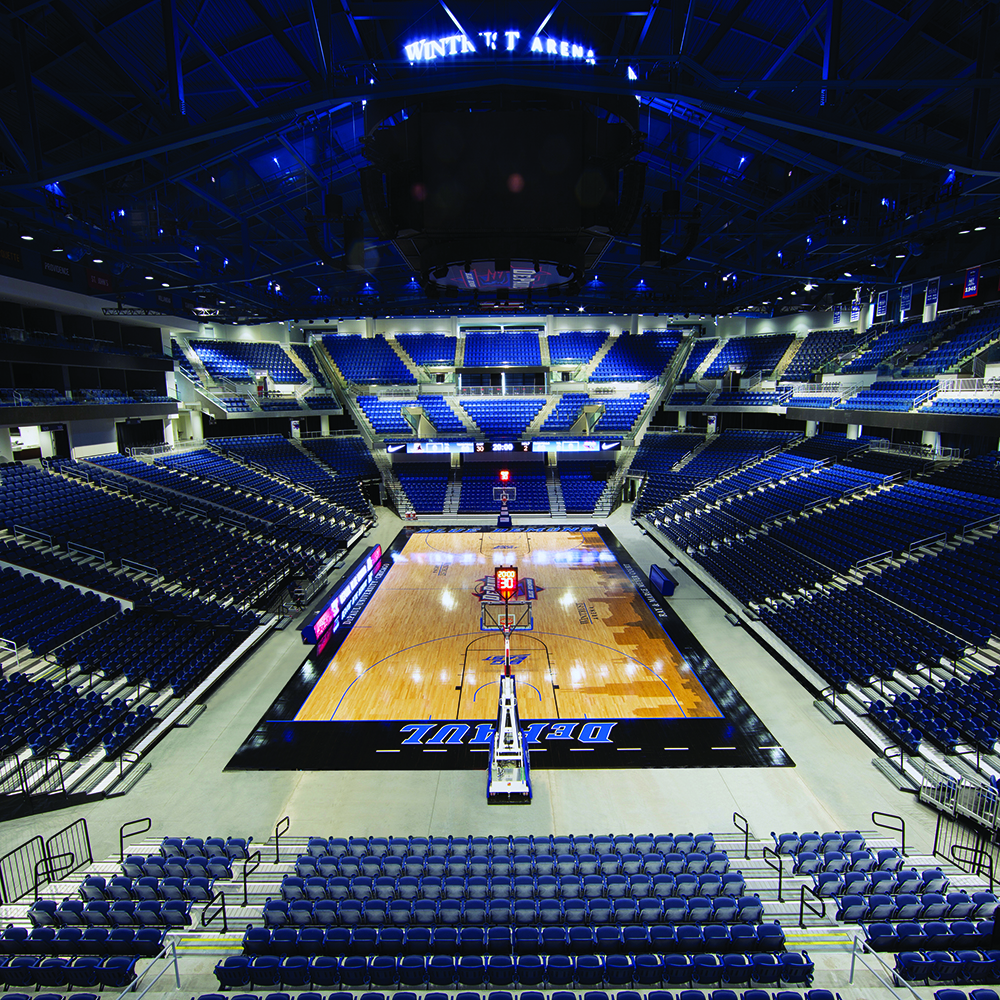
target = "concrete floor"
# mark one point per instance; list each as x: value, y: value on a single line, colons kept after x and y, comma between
x: 187, y: 792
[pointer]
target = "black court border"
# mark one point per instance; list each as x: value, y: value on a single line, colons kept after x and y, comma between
x: 738, y: 739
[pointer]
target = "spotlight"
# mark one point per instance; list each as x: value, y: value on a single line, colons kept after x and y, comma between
x: 25, y: 236
x: 97, y: 260
x: 149, y: 277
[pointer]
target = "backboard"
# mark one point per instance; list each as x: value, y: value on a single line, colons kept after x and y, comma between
x: 514, y: 617
x: 504, y: 492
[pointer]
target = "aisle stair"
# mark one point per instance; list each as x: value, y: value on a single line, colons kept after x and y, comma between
x: 786, y: 359
x: 699, y: 372
x: 535, y: 427
x: 453, y: 494
x: 588, y: 369
x: 414, y: 369
x: 557, y: 503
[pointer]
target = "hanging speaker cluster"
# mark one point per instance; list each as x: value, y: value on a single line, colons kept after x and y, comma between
x: 502, y: 189
x: 352, y: 235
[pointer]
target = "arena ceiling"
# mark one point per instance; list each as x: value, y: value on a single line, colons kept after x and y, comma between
x: 793, y: 149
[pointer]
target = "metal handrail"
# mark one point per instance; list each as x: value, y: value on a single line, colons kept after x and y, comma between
x: 279, y: 828
x: 745, y: 830
x: 123, y: 832
x: 255, y: 858
x: 53, y: 871
x: 206, y: 918
x: 803, y: 906
x: 171, y: 947
x: 900, y: 829
x: 858, y: 953
x: 975, y: 860
x: 779, y: 867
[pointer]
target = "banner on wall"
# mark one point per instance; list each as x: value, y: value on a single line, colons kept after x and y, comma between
x: 56, y: 269
x: 855, y: 311
x: 98, y: 281
x: 931, y: 297
x: 836, y: 315
x: 971, y: 283
x: 882, y: 304
x: 906, y: 298
x: 11, y: 257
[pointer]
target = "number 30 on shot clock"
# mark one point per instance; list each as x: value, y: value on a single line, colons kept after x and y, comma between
x: 506, y: 581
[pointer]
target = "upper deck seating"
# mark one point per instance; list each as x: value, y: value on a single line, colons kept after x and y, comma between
x: 367, y: 360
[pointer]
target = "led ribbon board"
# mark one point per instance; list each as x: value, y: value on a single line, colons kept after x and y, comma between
x: 447, y: 47
x: 337, y: 601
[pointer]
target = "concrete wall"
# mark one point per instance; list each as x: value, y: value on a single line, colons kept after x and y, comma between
x: 796, y: 323
x: 92, y: 437
x: 274, y: 332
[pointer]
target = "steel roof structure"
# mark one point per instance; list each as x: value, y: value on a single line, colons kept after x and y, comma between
x: 794, y: 150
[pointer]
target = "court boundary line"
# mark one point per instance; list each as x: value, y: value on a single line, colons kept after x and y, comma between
x: 277, y: 742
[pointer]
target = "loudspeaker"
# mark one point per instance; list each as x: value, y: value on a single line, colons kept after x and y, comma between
x: 376, y: 204
x: 333, y: 205
x: 630, y: 200
x: 671, y: 202
x: 354, y: 242
x: 649, y: 246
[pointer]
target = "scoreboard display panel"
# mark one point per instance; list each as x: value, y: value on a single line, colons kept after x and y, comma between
x: 505, y: 580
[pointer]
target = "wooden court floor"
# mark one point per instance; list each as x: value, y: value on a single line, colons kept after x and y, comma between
x: 595, y: 650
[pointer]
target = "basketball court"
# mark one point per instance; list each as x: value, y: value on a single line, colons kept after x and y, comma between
x: 607, y: 675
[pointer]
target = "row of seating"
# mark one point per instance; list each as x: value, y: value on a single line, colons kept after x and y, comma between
x: 930, y: 906
x: 510, y: 846
x: 504, y: 887
x: 197, y: 889
x: 358, y: 971
x: 847, y: 841
x: 720, y: 994
x: 855, y: 908
x: 932, y: 935
x: 136, y: 866
x: 486, y: 865
x: 102, y: 913
x: 71, y: 941
x: 208, y: 847
x: 650, y: 910
x: 85, y: 972
x: 966, y: 966
x: 608, y: 939
x: 905, y: 880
